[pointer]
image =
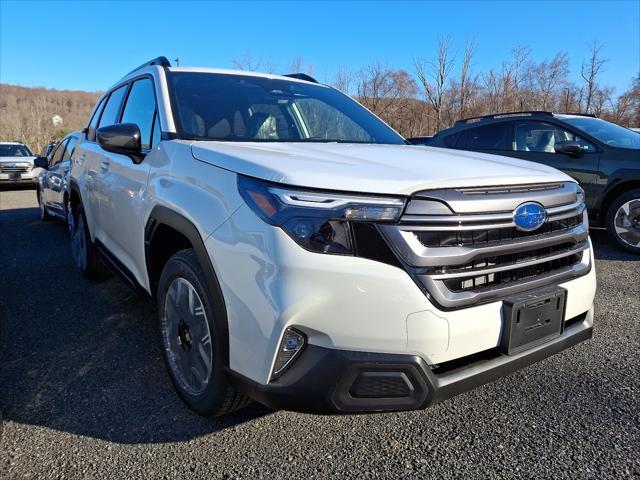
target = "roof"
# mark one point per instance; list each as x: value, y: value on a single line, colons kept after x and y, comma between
x: 224, y: 71
x: 163, y: 62
x: 11, y: 143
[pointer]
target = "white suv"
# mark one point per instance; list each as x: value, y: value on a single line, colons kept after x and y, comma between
x: 303, y: 255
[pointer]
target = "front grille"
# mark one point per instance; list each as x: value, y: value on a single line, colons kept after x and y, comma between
x: 482, y: 237
x: 475, y: 256
x: 15, y: 169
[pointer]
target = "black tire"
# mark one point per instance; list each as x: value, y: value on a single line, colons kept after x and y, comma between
x: 625, y: 240
x: 44, y: 215
x: 84, y: 252
x: 219, y: 396
x: 68, y: 215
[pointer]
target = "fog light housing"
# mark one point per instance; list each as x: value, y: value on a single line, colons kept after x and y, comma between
x: 291, y: 345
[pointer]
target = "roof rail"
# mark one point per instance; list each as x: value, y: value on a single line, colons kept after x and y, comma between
x: 504, y: 115
x: 161, y: 61
x: 302, y: 76
x: 592, y: 115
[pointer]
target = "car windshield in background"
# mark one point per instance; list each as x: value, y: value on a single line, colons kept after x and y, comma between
x: 243, y: 108
x: 14, y: 151
x: 606, y: 132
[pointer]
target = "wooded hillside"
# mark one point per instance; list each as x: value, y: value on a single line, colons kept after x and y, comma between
x: 31, y: 115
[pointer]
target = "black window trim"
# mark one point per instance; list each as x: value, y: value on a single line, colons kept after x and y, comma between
x: 126, y: 99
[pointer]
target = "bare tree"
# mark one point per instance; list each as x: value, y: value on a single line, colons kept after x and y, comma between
x: 549, y: 75
x: 343, y: 79
x: 591, y: 69
x: 433, y: 74
x: 521, y: 74
x: 467, y: 81
x: 298, y: 65
x: 247, y: 61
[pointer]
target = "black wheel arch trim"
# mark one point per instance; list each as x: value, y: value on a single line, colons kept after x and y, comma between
x: 616, y: 180
x: 161, y: 215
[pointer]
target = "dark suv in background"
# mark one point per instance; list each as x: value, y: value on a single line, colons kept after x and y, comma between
x: 603, y: 157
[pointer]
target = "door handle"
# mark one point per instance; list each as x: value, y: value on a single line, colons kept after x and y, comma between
x: 104, y: 166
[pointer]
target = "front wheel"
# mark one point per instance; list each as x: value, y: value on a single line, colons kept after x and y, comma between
x: 190, y: 344
x: 623, y: 221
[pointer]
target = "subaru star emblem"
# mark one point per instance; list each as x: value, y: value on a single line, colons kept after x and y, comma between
x: 529, y: 216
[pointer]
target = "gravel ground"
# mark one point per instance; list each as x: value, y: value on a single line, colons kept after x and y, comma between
x: 84, y: 392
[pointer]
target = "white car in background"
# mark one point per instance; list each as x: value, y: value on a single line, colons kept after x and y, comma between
x: 16, y: 164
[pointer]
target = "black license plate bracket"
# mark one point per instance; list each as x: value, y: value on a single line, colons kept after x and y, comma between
x: 532, y: 318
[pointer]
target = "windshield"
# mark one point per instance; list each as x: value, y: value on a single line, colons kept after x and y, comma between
x: 14, y: 151
x: 606, y: 132
x: 243, y: 108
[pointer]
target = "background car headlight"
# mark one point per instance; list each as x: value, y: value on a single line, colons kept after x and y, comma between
x: 317, y: 221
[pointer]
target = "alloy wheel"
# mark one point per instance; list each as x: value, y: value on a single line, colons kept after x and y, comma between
x: 186, y: 337
x: 627, y: 222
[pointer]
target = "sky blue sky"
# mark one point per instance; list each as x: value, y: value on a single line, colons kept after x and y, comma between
x: 89, y: 45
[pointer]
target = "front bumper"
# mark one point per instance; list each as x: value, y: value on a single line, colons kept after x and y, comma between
x: 325, y: 380
x: 27, y: 178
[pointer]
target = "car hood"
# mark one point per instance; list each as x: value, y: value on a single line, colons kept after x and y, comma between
x: 17, y: 160
x: 387, y: 169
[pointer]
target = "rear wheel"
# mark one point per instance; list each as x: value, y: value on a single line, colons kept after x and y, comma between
x: 623, y: 221
x: 44, y: 215
x: 84, y: 252
x: 68, y: 215
x: 190, y: 345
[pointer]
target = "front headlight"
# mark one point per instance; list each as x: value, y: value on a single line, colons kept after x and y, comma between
x: 317, y: 221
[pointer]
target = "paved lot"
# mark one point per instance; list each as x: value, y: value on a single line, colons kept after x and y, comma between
x: 84, y: 393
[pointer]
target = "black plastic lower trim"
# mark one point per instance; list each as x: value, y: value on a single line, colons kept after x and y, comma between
x: 327, y: 380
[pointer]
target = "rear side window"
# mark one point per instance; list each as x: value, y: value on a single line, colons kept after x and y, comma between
x: 71, y: 146
x: 112, y: 108
x: 140, y: 109
x: 57, y: 154
x: 489, y: 137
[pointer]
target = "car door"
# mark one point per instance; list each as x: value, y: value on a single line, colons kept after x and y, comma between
x: 534, y: 140
x: 60, y: 185
x: 53, y: 176
x: 95, y: 161
x: 125, y: 181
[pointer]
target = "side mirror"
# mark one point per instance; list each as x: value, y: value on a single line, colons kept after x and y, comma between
x: 123, y: 138
x: 569, y: 148
x: 41, y: 162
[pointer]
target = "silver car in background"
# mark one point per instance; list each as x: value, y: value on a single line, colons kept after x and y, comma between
x: 16, y: 164
x: 53, y: 181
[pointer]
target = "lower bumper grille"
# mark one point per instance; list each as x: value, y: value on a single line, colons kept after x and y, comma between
x: 515, y: 274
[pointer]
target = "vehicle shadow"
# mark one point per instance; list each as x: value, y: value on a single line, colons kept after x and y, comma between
x: 80, y: 356
x: 9, y: 188
x: 605, y: 249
